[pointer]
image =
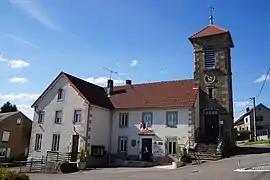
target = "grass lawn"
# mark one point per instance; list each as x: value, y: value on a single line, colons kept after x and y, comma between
x: 258, y: 142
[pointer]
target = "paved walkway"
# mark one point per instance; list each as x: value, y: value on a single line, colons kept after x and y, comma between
x: 219, y: 170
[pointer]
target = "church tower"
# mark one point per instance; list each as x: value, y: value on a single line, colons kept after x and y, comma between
x: 212, y: 72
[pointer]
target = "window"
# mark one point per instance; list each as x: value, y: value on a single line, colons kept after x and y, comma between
x: 172, y: 147
x: 60, y: 94
x: 123, y: 120
x: 5, y: 136
x: 3, y: 152
x: 259, y: 118
x: 122, y: 144
x: 40, y: 117
x: 147, y: 119
x: 98, y: 151
x: 209, y: 58
x: 58, y: 117
x: 210, y: 93
x: 55, y: 142
x: 77, y: 116
x: 38, y: 142
x: 171, y: 119
x: 19, y: 120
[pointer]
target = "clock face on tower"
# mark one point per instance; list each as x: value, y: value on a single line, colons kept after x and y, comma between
x: 209, y: 78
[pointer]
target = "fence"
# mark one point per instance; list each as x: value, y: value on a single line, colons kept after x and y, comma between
x: 34, y: 165
x: 60, y: 157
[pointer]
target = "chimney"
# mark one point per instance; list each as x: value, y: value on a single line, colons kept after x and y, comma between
x: 109, y: 87
x: 128, y: 82
x: 247, y: 109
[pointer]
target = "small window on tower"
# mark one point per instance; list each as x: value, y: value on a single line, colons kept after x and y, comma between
x: 209, y: 58
x: 210, y: 93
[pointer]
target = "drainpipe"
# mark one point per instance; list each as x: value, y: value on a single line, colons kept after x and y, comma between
x: 87, y: 127
x: 110, y: 134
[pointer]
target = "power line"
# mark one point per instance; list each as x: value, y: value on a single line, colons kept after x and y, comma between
x: 266, y: 77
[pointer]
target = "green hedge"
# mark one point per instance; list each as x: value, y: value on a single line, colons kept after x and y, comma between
x: 6, y: 174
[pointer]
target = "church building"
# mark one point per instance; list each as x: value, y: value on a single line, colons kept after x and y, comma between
x: 128, y: 122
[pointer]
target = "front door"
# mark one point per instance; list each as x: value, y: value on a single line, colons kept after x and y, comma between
x: 211, y: 126
x: 74, y: 149
x: 146, y: 149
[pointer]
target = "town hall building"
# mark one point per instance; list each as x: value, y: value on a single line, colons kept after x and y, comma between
x: 123, y: 122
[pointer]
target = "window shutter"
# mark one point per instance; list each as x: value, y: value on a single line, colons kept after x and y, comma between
x: 209, y: 57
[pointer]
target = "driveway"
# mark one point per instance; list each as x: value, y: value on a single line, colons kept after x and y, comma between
x: 218, y: 170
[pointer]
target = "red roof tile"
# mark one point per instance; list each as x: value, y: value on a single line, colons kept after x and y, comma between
x: 209, y: 31
x: 180, y: 93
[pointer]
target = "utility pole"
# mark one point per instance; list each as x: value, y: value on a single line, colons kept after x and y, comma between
x: 254, y: 118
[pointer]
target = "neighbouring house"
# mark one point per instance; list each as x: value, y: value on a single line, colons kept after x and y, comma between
x: 15, y: 130
x: 127, y: 121
x: 246, y: 121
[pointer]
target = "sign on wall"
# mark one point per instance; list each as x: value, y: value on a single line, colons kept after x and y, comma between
x: 158, y: 148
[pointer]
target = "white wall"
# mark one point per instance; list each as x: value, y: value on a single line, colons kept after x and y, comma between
x: 100, y: 126
x: 159, y: 121
x: 49, y: 104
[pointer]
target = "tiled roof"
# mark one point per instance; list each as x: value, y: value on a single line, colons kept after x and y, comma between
x: 94, y: 94
x: 4, y: 116
x: 209, y: 31
x: 181, y: 93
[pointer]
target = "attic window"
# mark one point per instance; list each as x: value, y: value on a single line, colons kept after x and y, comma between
x: 60, y: 94
x: 209, y: 58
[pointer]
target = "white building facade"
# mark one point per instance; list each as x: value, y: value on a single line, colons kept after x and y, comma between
x: 67, y: 119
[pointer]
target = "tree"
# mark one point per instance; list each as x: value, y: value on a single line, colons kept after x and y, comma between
x: 8, y: 107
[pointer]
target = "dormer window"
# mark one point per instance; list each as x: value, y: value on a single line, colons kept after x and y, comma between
x: 209, y: 58
x: 60, y: 94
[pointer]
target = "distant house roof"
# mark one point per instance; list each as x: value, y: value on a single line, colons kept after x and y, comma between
x: 241, y: 118
x: 180, y: 93
x: 6, y: 115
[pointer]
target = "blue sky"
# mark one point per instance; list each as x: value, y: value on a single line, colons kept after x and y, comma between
x: 144, y: 40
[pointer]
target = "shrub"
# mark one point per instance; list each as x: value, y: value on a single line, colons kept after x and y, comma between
x: 6, y: 174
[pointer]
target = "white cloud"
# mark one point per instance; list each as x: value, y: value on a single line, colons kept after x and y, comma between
x: 134, y: 63
x: 14, y: 63
x: 18, y: 80
x: 18, y: 96
x: 262, y: 78
x: 102, y: 81
x: 241, y: 103
x: 34, y: 9
x: 26, y: 109
x: 21, y: 40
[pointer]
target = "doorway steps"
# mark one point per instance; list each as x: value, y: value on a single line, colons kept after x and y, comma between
x: 206, y: 151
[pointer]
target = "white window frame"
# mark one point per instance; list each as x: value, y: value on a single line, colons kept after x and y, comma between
x: 41, y: 115
x: 123, y: 120
x: 170, y: 115
x: 146, y: 117
x: 77, y: 116
x: 60, y: 94
x: 122, y: 144
x: 5, y: 136
x: 58, y: 120
x: 55, y: 142
x: 38, y: 142
x: 170, y: 146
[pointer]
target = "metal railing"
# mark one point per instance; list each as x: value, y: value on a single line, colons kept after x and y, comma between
x: 60, y: 156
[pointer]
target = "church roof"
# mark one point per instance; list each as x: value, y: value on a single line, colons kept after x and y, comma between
x: 209, y: 31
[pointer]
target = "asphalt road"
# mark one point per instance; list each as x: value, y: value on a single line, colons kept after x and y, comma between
x: 218, y: 170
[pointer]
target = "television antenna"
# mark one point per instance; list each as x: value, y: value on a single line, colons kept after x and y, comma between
x: 110, y: 71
